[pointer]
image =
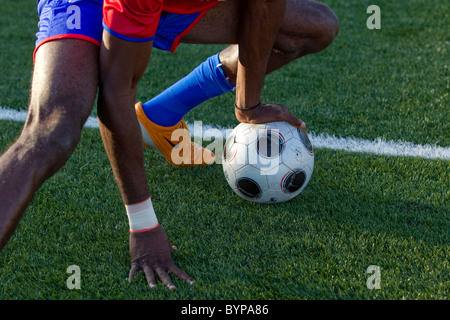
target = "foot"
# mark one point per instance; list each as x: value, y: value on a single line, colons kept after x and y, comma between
x: 174, y: 143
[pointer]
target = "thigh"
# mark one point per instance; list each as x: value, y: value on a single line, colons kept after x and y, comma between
x: 64, y: 84
x: 220, y: 25
x: 65, y: 76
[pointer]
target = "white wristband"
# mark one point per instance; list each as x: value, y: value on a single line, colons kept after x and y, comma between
x: 141, y: 216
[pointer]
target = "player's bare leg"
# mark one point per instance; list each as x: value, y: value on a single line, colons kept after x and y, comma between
x: 307, y: 27
x: 63, y: 91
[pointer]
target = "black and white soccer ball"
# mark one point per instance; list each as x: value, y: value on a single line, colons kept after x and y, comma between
x: 268, y: 163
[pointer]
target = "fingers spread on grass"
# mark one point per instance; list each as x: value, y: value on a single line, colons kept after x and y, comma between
x: 165, y: 278
x: 181, y: 274
x: 134, y: 269
x: 149, y: 276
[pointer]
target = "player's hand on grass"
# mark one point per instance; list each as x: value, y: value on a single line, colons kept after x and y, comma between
x: 151, y: 252
x: 269, y: 112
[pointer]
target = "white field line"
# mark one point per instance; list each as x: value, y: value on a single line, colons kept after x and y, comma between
x: 378, y: 146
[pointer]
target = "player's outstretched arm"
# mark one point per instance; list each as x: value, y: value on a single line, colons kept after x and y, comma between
x: 259, y: 25
x: 122, y: 64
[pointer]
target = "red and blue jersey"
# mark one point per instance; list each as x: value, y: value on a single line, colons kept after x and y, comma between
x: 82, y: 19
x: 137, y: 20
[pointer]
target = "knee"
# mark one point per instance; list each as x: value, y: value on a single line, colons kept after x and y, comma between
x: 309, y: 28
x: 64, y: 141
x: 52, y: 142
x: 327, y: 27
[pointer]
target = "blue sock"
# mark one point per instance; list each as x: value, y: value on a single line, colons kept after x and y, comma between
x: 204, y: 82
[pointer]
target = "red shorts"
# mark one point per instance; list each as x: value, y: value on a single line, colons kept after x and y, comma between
x: 135, y: 20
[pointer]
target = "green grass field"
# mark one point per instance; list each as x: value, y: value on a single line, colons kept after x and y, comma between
x: 358, y: 210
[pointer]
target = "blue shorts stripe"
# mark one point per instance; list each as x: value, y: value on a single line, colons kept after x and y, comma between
x: 120, y: 36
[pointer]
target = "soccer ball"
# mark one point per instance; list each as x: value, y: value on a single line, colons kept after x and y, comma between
x: 269, y: 162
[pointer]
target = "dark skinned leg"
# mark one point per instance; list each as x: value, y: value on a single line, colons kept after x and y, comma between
x: 308, y: 27
x: 63, y: 90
